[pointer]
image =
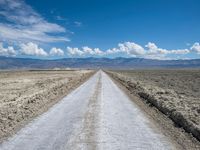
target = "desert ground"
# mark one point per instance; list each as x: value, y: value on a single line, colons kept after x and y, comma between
x: 96, y: 115
x: 173, y: 92
x: 85, y: 109
x: 26, y: 94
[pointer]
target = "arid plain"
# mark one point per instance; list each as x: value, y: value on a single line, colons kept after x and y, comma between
x: 26, y: 94
x: 175, y: 93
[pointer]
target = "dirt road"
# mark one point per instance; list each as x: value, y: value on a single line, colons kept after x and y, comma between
x: 97, y: 115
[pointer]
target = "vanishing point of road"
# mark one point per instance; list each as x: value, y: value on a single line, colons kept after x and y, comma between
x: 97, y: 115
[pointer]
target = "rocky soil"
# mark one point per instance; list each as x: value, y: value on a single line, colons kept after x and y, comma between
x: 176, y: 93
x: 26, y: 94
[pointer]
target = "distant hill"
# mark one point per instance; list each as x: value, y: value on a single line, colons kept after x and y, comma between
x: 90, y: 62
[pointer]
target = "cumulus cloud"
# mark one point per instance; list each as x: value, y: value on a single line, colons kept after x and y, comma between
x: 98, y: 51
x: 179, y: 51
x: 74, y: 51
x: 112, y: 51
x: 32, y: 49
x: 131, y: 48
x: 154, y: 52
x: 22, y: 23
x: 128, y: 48
x: 196, y: 47
x: 151, y: 50
x: 85, y: 51
x: 9, y: 51
x: 56, y: 52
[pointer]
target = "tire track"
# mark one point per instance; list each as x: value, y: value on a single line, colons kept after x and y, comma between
x: 87, y: 138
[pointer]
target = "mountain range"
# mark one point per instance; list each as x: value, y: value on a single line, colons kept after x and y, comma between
x: 91, y: 62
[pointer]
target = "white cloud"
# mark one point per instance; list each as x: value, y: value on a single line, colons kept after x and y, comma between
x: 113, y: 51
x: 8, y: 32
x: 9, y: 51
x: 98, y: 51
x: 151, y: 50
x: 56, y: 51
x: 32, y: 49
x: 85, y: 51
x: 25, y: 24
x: 74, y: 51
x: 196, y: 47
x: 151, y: 45
x: 154, y: 52
x: 179, y: 51
x: 131, y: 48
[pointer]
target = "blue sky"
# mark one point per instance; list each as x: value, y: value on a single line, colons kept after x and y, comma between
x: 156, y: 29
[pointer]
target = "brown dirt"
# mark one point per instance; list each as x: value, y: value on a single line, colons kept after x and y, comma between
x: 26, y: 94
x: 179, y: 103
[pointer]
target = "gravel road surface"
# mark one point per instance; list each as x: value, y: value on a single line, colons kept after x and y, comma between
x: 97, y: 115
